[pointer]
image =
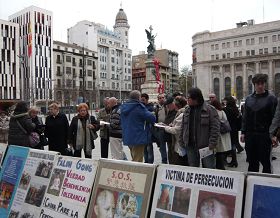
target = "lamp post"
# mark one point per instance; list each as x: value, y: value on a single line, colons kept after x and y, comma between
x: 120, y: 78
x: 23, y: 65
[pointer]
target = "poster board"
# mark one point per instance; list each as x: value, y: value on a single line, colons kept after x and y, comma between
x: 125, y: 186
x: 197, y: 192
x: 10, y: 176
x: 262, y: 196
x: 33, y: 183
x: 69, y: 189
x: 3, y: 148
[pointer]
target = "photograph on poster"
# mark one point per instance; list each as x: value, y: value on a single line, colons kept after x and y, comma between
x: 266, y: 201
x: 24, y: 180
x: 35, y: 194
x: 56, y: 182
x: 6, y: 191
x: 165, y: 196
x: 215, y: 205
x: 165, y: 215
x: 14, y: 214
x: 181, y: 200
x: 128, y: 205
x: 105, y: 203
x: 44, y: 169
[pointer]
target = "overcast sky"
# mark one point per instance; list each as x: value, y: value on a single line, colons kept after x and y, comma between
x: 174, y: 22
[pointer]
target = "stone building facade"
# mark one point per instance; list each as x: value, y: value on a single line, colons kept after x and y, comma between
x: 224, y: 62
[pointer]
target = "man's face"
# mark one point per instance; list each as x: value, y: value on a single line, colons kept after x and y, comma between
x: 212, y: 98
x: 144, y: 100
x: 105, y: 206
x: 191, y: 101
x: 260, y: 87
x: 161, y: 99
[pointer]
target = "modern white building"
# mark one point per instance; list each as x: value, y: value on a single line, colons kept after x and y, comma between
x: 115, y: 74
x: 36, y: 52
x: 224, y: 62
x: 74, y: 74
x: 9, y: 61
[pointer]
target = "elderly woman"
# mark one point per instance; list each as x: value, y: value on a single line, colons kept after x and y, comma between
x: 82, y: 131
x: 33, y: 113
x: 56, y: 129
x: 20, y: 126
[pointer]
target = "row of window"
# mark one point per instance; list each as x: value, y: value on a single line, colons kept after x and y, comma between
x: 251, y: 41
x: 72, y: 83
x: 7, y: 31
x: 248, y: 53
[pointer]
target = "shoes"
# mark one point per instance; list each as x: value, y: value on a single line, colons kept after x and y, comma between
x: 231, y: 164
x: 239, y: 150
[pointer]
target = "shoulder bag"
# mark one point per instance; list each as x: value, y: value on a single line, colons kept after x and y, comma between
x: 34, y: 137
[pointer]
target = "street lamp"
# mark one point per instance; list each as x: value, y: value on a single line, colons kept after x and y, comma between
x: 120, y: 78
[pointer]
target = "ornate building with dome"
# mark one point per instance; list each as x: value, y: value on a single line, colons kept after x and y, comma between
x: 113, y: 71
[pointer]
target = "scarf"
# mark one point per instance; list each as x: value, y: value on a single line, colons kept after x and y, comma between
x: 83, y: 139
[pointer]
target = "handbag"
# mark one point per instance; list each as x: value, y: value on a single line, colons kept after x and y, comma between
x: 225, y: 126
x: 34, y: 137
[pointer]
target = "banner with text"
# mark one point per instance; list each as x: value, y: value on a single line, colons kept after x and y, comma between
x: 10, y: 176
x: 33, y: 183
x: 69, y: 189
x: 262, y: 196
x: 210, y: 193
x: 122, y: 189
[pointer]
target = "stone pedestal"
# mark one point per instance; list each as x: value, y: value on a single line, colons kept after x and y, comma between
x: 150, y: 86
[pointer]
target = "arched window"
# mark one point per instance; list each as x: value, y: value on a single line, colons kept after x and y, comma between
x: 58, y: 96
x: 277, y: 84
x: 227, y: 86
x: 239, y: 88
x: 217, y: 87
x: 250, y: 85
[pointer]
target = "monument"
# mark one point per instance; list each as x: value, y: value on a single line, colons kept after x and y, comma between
x: 153, y: 85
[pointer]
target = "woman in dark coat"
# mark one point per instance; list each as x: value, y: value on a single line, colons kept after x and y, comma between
x: 234, y: 119
x: 82, y: 129
x: 20, y: 119
x: 56, y: 129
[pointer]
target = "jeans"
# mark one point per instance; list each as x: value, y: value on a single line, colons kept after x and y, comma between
x: 194, y: 158
x: 149, y: 153
x: 159, y: 135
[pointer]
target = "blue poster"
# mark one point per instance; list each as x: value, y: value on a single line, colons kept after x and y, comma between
x: 10, y: 176
x: 266, y: 202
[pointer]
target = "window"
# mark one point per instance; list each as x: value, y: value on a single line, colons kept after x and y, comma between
x: 235, y: 54
x: 252, y: 52
x: 217, y: 57
x: 68, y: 70
x: 228, y: 44
x: 89, y: 72
x: 216, y: 46
x: 223, y: 45
x: 274, y: 38
x: 223, y: 56
x: 248, y: 52
x: 217, y: 87
x: 260, y: 40
x: 239, y: 42
x: 240, y: 53
x: 228, y: 55
x: 113, y: 68
x: 235, y: 43
x: 68, y: 59
x: 89, y: 62
x: 265, y: 39
x: 252, y: 41
x: 212, y: 57
x: 247, y: 41
x: 239, y: 88
x: 227, y: 86
x: 274, y: 49
x: 90, y: 84
x: 212, y: 47
x: 261, y: 51
x: 266, y: 50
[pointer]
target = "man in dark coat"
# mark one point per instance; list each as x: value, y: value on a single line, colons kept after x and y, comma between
x: 20, y: 126
x: 258, y: 113
x: 56, y: 129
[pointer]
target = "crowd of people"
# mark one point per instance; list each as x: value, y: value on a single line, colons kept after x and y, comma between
x: 187, y: 130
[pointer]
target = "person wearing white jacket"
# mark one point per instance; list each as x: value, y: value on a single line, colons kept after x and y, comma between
x: 179, y: 155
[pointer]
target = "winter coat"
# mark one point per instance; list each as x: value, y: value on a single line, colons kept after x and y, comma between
x: 258, y: 113
x: 134, y: 122
x: 233, y: 119
x: 115, y: 129
x: 206, y: 127
x: 56, y: 131
x: 40, y: 130
x: 16, y: 135
x: 224, y: 142
x: 275, y: 122
x: 72, y: 134
x: 104, y: 115
x: 4, y: 128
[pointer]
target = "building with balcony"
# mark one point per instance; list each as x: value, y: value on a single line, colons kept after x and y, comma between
x: 10, y: 85
x: 224, y: 62
x: 168, y: 67
x: 35, y: 52
x: 115, y: 76
x: 75, y: 70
